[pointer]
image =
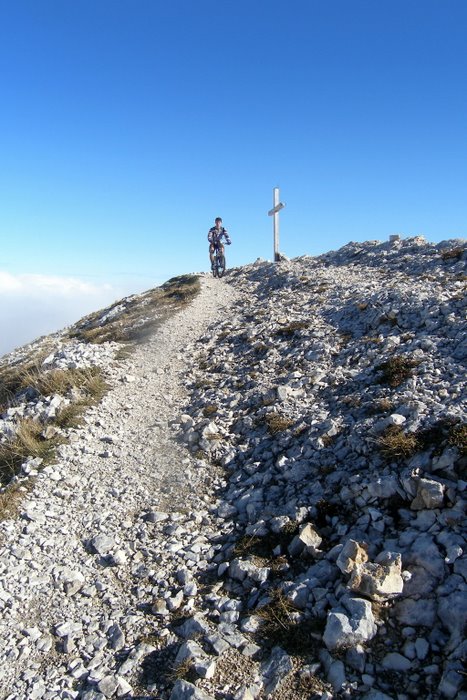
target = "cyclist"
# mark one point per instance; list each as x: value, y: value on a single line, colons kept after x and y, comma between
x: 215, y: 236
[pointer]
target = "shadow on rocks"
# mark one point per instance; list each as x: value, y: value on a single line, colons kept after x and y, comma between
x: 157, y: 667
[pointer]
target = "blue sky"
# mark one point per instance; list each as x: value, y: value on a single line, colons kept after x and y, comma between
x: 126, y: 126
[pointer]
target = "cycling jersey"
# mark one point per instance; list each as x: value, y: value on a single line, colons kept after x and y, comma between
x: 215, y: 235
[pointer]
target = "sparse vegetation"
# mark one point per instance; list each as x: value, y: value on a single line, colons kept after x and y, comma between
x: 12, y: 379
x: 124, y: 352
x: 134, y: 318
x: 33, y: 438
x: 183, y: 671
x: 395, y: 444
x: 277, y: 423
x: 383, y: 405
x: 375, y: 339
x: 214, y: 437
x: 397, y: 370
x: 11, y: 497
x: 328, y: 440
x: 182, y: 288
x: 260, y: 550
x: 28, y: 442
x: 453, y: 253
x: 209, y: 410
x: 251, y: 544
x: 458, y: 438
x: 281, y: 627
x: 33, y: 377
x: 292, y: 328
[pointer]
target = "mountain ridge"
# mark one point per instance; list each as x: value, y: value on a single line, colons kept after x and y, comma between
x: 323, y: 418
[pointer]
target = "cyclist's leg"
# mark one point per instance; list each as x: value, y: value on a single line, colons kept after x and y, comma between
x: 221, y: 261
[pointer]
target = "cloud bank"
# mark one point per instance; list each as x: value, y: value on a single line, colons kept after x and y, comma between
x: 34, y: 305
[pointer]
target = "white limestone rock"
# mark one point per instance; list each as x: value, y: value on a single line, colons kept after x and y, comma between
x: 183, y: 690
x: 203, y: 664
x: 275, y: 670
x: 352, y: 555
x: 350, y: 626
x: 430, y: 494
x: 380, y: 580
x: 307, y: 541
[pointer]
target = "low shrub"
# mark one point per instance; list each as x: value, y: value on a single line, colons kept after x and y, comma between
x: 395, y: 444
x: 397, y: 370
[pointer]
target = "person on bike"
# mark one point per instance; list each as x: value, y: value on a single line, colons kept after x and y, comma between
x: 215, y: 236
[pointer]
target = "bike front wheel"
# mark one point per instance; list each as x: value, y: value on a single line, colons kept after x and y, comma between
x: 220, y: 265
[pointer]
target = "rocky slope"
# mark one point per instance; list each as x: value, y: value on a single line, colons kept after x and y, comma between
x: 268, y: 503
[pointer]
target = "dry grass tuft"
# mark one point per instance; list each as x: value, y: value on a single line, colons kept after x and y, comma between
x: 383, y: 405
x: 251, y: 545
x: 397, y: 370
x: 48, y: 382
x: 277, y: 615
x: 92, y: 388
x: 280, y: 626
x: 395, y: 444
x: 209, y: 410
x: 28, y: 442
x: 292, y: 328
x: 185, y: 671
x: 182, y: 288
x: 458, y: 438
x: 11, y: 498
x: 125, y: 351
x: 277, y: 423
x: 12, y: 380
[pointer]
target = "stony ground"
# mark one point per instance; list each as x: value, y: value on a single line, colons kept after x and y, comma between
x: 268, y: 503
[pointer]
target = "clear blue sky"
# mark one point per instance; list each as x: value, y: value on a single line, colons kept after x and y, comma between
x: 126, y: 126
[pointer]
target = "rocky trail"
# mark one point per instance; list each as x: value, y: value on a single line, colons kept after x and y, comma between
x: 269, y: 501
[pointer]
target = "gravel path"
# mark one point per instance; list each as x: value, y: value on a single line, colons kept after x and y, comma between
x: 124, y: 463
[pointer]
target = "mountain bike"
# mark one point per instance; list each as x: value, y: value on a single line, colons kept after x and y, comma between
x: 218, y: 267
